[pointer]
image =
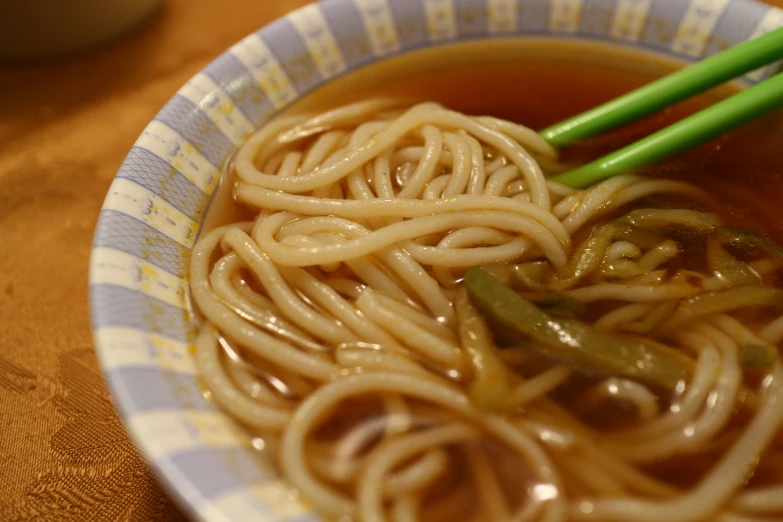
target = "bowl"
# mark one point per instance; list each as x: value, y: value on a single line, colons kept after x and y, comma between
x: 142, y: 317
x: 35, y: 29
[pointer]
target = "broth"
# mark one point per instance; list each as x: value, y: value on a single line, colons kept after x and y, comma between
x: 742, y: 171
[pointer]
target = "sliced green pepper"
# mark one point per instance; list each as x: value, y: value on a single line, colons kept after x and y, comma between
x: 658, y: 218
x: 758, y: 356
x: 728, y: 300
x: 579, y: 345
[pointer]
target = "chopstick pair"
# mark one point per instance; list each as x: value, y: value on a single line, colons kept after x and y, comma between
x: 689, y: 132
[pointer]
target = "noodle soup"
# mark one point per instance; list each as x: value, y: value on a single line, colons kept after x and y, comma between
x: 421, y: 327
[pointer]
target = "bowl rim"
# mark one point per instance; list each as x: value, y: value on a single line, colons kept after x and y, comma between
x: 117, y: 347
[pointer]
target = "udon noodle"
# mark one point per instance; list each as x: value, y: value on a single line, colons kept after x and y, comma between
x: 338, y: 330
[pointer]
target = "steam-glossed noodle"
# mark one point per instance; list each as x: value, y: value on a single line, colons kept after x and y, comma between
x: 421, y: 327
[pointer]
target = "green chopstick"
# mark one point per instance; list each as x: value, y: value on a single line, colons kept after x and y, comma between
x: 688, y: 133
x: 669, y: 90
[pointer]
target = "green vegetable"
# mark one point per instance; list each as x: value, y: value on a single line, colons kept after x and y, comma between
x: 559, y: 305
x: 657, y: 218
x: 726, y: 267
x: 728, y: 235
x: 533, y: 275
x: 588, y: 256
x: 758, y: 356
x: 638, y: 227
x: 723, y: 301
x: 574, y: 343
x: 489, y: 388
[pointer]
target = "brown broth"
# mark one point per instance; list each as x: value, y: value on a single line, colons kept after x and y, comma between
x: 742, y: 170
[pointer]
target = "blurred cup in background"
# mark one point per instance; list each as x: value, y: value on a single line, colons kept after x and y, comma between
x: 32, y: 29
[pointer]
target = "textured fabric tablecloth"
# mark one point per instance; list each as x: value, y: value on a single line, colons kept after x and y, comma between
x: 65, y: 127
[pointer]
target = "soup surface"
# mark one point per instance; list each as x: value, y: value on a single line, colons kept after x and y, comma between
x: 743, y: 169
x: 615, y: 356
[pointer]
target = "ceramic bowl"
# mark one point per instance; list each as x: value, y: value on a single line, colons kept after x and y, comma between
x: 142, y: 317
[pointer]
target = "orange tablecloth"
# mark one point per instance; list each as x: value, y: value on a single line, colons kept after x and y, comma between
x: 65, y: 127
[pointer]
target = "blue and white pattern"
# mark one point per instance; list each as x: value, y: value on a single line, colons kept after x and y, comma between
x: 501, y: 16
x: 319, y: 40
x: 565, y: 15
x: 379, y: 26
x: 440, y: 18
x: 142, y: 318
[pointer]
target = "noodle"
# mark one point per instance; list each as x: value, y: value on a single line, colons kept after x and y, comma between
x: 337, y: 326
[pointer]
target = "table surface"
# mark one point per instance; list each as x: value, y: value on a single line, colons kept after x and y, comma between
x: 65, y: 127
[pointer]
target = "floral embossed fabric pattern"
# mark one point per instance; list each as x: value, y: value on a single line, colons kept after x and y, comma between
x: 65, y: 127
x: 64, y: 454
